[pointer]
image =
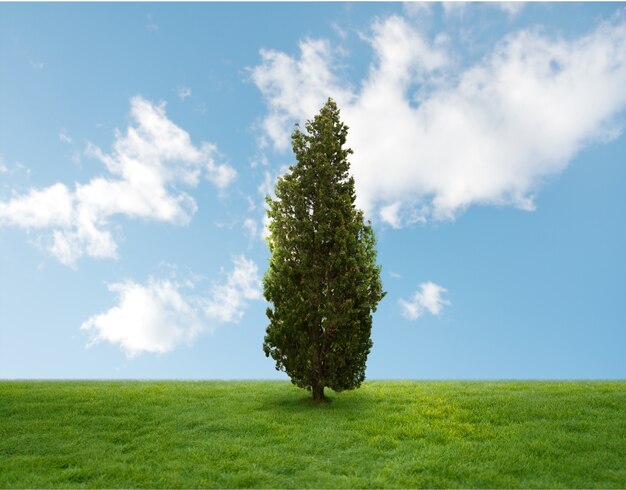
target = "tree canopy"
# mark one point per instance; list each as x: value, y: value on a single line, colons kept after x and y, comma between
x: 323, y: 281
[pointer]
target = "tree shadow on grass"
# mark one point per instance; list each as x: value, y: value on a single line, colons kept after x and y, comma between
x: 301, y: 401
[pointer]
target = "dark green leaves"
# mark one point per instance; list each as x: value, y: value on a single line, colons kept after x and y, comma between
x: 323, y: 281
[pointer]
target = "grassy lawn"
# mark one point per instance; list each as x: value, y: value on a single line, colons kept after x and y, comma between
x: 268, y: 434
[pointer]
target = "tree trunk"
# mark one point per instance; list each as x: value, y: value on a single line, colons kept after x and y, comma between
x: 318, y: 392
x: 316, y: 387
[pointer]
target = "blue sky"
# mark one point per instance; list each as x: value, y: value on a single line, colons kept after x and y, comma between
x: 137, y: 142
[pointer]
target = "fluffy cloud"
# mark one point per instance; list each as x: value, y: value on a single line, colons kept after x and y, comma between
x: 52, y: 206
x: 429, y: 298
x: 145, y: 166
x: 389, y: 214
x: 294, y: 87
x: 259, y: 227
x: 226, y: 300
x: 252, y: 228
x: 148, y: 318
x: 432, y: 138
x: 160, y: 315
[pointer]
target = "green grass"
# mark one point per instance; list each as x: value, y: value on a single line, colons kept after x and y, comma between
x: 268, y: 434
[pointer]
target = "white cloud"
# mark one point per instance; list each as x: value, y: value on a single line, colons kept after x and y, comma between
x: 265, y: 188
x: 220, y: 175
x: 184, y: 92
x: 37, y: 65
x: 251, y: 204
x: 148, y: 318
x: 294, y: 87
x: 252, y: 227
x: 512, y: 9
x: 3, y: 167
x: 429, y: 298
x: 145, y: 166
x: 265, y: 233
x: 432, y: 138
x: 389, y: 214
x: 52, y: 206
x: 227, y: 300
x: 64, y: 137
x: 161, y: 315
x: 260, y: 159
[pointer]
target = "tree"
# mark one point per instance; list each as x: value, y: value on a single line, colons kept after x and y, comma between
x: 323, y: 281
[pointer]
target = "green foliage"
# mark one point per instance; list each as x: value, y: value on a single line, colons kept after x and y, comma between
x: 323, y: 280
x: 121, y: 434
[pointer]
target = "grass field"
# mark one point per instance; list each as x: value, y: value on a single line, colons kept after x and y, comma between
x: 268, y: 434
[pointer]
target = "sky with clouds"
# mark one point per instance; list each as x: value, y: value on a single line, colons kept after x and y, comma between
x: 137, y: 143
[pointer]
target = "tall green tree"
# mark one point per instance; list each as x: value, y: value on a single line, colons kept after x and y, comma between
x: 323, y: 281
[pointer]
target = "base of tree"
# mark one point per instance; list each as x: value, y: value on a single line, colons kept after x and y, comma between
x: 318, y: 394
